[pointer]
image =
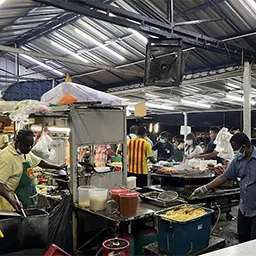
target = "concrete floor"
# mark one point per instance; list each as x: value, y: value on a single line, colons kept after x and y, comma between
x: 228, y: 229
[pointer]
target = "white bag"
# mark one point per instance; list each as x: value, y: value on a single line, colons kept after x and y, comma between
x: 43, y: 148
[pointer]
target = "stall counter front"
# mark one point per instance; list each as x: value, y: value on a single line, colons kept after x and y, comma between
x: 244, y: 249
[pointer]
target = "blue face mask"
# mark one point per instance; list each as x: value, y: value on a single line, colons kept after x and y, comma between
x: 239, y: 154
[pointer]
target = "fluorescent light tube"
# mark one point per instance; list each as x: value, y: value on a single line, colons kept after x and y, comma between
x: 252, y: 3
x: 239, y: 99
x: 130, y: 108
x: 42, y: 65
x: 235, y: 86
x: 158, y: 106
x: 69, y: 52
x: 151, y: 95
x: 194, y: 104
x: 99, y: 44
x: 138, y: 35
x: 156, y: 128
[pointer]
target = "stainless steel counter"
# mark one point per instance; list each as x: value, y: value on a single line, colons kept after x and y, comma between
x: 144, y: 211
x: 245, y: 249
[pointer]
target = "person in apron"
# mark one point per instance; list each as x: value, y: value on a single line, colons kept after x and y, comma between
x: 16, y: 173
x: 26, y: 190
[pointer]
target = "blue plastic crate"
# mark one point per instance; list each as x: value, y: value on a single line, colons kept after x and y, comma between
x: 183, y: 238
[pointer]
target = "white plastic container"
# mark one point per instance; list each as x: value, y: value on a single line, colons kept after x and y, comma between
x: 84, y: 195
x: 98, y: 199
x: 131, y: 182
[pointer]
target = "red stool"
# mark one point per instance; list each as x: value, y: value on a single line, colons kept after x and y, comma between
x: 54, y: 250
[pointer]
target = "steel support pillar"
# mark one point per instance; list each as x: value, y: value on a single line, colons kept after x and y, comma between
x: 185, y: 125
x: 247, y: 99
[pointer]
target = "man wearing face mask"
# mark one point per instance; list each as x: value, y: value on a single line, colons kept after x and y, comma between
x: 164, y: 148
x: 243, y: 170
x: 16, y: 173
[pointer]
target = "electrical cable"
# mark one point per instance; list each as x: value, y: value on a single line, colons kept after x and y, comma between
x: 218, y: 218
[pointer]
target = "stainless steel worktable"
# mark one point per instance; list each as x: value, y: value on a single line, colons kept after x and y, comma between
x: 145, y: 210
x: 245, y: 249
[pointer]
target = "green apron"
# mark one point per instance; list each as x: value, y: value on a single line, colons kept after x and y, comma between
x: 26, y: 190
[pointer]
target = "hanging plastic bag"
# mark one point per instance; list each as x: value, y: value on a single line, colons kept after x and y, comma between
x: 43, y: 148
x: 27, y: 107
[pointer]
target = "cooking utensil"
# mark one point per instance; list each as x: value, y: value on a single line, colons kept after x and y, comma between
x: 168, y: 196
x: 22, y: 210
x: 195, y: 207
x: 9, y: 214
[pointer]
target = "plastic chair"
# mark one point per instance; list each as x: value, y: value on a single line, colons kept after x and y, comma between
x: 54, y: 250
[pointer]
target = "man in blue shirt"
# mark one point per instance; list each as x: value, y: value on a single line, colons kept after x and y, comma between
x: 164, y: 148
x: 243, y: 170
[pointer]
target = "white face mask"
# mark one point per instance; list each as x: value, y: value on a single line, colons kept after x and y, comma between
x: 189, y: 142
x: 162, y: 140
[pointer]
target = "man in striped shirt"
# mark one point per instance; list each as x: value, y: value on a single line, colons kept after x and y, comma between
x: 139, y: 151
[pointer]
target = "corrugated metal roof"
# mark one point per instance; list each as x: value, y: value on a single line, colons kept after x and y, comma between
x: 100, y: 42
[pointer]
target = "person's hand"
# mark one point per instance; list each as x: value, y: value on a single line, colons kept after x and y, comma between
x: 16, y: 205
x: 199, y: 191
x: 62, y: 166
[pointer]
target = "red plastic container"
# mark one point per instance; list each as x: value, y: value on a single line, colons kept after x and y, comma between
x: 114, y: 192
x: 54, y: 250
x: 114, y: 245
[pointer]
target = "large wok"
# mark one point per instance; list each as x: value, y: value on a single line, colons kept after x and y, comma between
x: 181, y: 180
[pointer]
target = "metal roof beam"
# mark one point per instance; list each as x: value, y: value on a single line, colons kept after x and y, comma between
x: 20, y: 7
x: 189, y: 79
x: 29, y: 16
x: 94, y: 9
x: 72, y: 60
x: 215, y: 6
x: 196, y: 8
x: 45, y: 28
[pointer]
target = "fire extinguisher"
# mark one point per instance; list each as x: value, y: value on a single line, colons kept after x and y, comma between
x: 116, y: 247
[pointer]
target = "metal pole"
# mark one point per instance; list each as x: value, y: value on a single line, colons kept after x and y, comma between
x: 247, y: 99
x: 53, y: 83
x: 185, y: 125
x: 125, y: 156
x: 17, y: 65
x: 172, y: 14
x: 73, y: 178
x: 169, y: 10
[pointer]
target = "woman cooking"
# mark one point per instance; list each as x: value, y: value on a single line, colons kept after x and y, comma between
x: 192, y: 149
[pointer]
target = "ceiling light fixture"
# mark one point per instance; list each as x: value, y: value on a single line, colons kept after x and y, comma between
x: 235, y: 86
x: 2, y: 1
x: 138, y: 35
x: 157, y: 106
x: 42, y: 65
x: 69, y: 52
x: 99, y: 44
x: 191, y: 103
x: 252, y: 3
x: 238, y: 98
x: 149, y: 95
x: 130, y: 108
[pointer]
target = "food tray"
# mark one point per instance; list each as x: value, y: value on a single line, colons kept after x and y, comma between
x: 152, y: 198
